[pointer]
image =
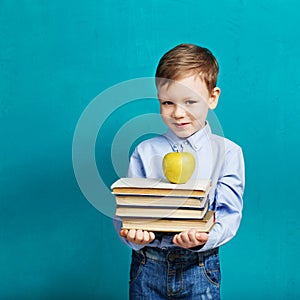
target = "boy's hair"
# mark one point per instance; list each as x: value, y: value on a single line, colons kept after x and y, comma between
x: 186, y: 60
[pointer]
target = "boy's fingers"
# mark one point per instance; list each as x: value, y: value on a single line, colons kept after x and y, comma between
x: 189, y: 238
x: 152, y: 236
x: 123, y: 232
x: 184, y: 237
x: 139, y: 236
x: 131, y: 234
x: 192, y: 236
x: 146, y: 236
x: 177, y: 239
x: 174, y: 240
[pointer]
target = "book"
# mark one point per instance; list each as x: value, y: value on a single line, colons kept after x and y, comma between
x: 161, y: 212
x: 161, y: 201
x: 170, y: 225
x: 154, y: 187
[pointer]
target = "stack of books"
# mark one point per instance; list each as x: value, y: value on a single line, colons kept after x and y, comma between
x: 157, y: 205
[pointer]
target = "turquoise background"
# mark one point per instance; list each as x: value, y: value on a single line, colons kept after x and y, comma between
x: 56, y: 56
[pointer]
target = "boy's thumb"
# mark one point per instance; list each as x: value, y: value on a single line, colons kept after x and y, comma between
x: 199, y: 237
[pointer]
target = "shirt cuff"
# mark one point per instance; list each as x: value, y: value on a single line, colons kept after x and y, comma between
x: 197, y: 248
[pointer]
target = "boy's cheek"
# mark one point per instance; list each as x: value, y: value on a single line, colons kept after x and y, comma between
x: 163, y: 111
x: 164, y: 117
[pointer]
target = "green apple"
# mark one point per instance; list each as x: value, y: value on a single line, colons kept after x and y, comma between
x: 178, y: 167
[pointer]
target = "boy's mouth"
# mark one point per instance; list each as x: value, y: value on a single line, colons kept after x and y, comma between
x: 181, y: 125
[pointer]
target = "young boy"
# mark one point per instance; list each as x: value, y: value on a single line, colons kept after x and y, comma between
x: 186, y: 265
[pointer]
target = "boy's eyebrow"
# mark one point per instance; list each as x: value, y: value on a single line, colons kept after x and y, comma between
x: 185, y: 98
x: 162, y: 98
x: 191, y: 98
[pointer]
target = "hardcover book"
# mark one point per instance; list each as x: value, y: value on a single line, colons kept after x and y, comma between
x: 153, y: 186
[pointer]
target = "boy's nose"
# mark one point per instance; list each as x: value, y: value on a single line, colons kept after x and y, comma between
x: 178, y: 112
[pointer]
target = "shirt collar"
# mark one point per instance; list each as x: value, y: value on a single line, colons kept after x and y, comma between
x: 196, y: 140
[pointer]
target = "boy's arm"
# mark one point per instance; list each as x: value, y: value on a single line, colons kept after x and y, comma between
x: 228, y: 201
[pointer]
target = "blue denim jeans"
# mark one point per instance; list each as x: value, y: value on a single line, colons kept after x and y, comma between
x: 174, y: 273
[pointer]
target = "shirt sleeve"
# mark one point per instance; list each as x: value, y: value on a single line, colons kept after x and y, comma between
x: 228, y: 201
x: 136, y: 167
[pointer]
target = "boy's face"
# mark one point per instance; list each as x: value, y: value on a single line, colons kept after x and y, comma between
x: 184, y: 104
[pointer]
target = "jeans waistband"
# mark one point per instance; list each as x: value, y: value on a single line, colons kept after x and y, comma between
x: 176, y: 254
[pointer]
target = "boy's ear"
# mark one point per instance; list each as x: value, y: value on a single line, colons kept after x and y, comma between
x: 214, y: 98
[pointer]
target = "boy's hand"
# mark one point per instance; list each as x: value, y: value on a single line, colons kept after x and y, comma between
x: 190, y: 238
x: 139, y: 237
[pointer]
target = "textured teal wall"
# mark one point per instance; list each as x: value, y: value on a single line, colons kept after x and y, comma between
x: 56, y: 56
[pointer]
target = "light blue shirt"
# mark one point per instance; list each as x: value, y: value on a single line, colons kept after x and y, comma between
x: 218, y: 159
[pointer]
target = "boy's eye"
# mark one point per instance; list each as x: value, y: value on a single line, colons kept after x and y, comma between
x: 167, y: 103
x: 189, y: 102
